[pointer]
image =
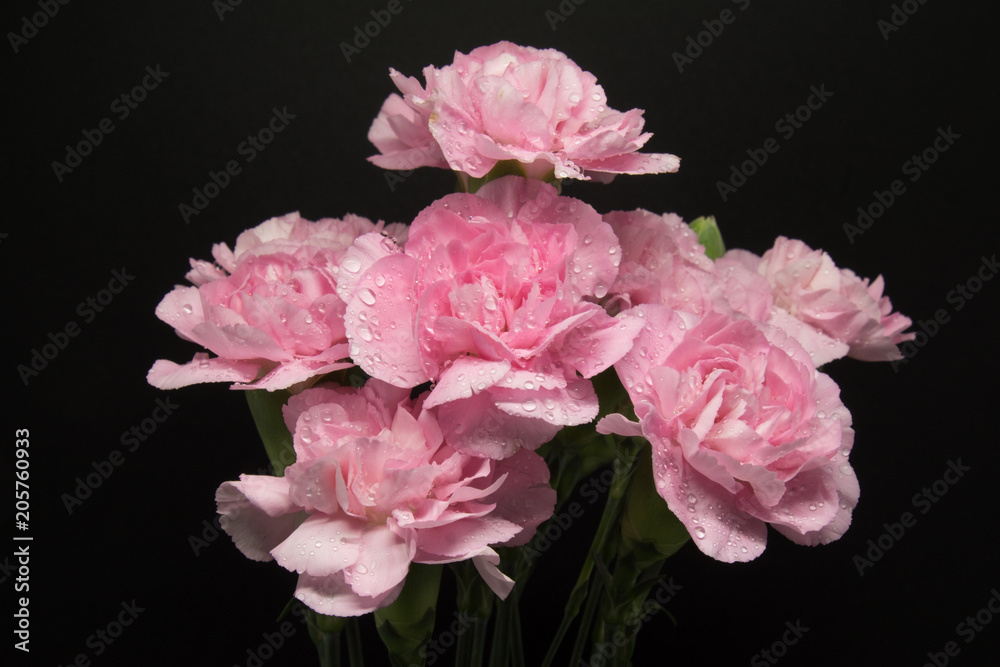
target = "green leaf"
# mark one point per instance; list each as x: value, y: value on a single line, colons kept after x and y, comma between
x: 265, y: 406
x: 709, y: 236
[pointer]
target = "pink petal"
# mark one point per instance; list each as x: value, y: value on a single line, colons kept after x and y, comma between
x: 384, y: 560
x: 634, y: 163
x: 381, y: 321
x: 302, y: 369
x: 498, y: 582
x: 335, y: 597
x: 476, y: 426
x: 526, y: 499
x: 168, y: 375
x: 358, y: 258
x: 600, y: 342
x: 463, y: 538
x: 465, y: 377
x: 257, y: 513
x: 699, y: 503
x: 619, y: 425
x: 321, y: 545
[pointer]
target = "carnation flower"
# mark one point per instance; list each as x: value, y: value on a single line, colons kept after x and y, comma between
x: 490, y: 301
x: 663, y: 262
x: 744, y: 431
x: 269, y: 308
x: 508, y: 102
x: 830, y: 311
x: 375, y: 487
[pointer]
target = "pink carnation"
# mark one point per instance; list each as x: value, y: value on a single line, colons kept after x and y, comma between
x: 508, y: 102
x: 663, y: 262
x: 744, y: 432
x: 375, y: 487
x: 269, y: 309
x: 830, y: 311
x: 490, y: 301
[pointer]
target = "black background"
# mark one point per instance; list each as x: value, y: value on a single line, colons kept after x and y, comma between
x: 130, y: 540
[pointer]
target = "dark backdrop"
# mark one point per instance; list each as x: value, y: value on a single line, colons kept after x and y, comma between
x: 223, y: 69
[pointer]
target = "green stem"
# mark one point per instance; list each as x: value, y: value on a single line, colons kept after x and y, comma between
x: 265, y: 407
x: 623, y: 469
x: 517, y: 640
x: 499, y: 652
x: 583, y: 634
x: 325, y: 633
x: 355, y: 655
x: 479, y: 641
x: 329, y: 650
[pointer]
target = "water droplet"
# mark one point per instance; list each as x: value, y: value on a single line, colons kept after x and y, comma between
x: 380, y: 280
x: 699, y: 532
x: 351, y: 264
x: 367, y: 296
x: 529, y: 405
x: 188, y: 309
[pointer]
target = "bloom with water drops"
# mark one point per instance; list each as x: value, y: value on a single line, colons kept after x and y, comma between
x: 744, y: 430
x: 509, y: 102
x: 830, y: 311
x: 376, y: 486
x: 663, y: 262
x: 494, y: 300
x: 268, y: 308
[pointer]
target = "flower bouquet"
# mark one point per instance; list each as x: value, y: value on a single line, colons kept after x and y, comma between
x: 430, y: 394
